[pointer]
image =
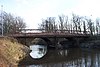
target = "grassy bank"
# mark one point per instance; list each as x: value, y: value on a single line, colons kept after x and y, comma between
x: 11, y: 52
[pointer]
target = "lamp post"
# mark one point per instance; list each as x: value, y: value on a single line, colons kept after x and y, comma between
x: 2, y: 20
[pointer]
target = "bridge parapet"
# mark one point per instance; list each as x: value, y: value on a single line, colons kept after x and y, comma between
x: 41, y: 33
x: 55, y: 31
x: 50, y: 35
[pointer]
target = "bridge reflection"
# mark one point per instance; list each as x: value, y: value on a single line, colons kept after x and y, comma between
x: 66, y: 58
x: 38, y: 51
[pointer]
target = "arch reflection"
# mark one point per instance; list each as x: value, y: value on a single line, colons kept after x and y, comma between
x: 38, y: 51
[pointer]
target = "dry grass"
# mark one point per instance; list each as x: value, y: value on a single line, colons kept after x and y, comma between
x: 12, y: 51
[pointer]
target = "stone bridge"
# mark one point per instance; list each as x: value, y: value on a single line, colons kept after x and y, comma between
x: 51, y: 38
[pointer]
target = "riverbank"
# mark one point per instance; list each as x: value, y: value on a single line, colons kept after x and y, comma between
x: 11, y: 52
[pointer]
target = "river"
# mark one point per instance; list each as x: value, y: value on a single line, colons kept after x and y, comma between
x: 40, y: 56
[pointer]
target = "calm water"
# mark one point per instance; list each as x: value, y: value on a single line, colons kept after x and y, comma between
x: 74, y: 57
x: 38, y: 51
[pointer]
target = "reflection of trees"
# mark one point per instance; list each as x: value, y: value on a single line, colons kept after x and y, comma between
x: 87, y: 59
x: 38, y: 51
x: 42, y: 51
x: 69, y: 58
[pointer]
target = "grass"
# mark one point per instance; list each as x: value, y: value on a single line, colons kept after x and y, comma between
x: 12, y: 51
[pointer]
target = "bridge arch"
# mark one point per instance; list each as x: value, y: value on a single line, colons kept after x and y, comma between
x: 41, y: 41
x: 47, y: 40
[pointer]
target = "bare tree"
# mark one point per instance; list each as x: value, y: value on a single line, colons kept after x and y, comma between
x: 84, y: 27
x: 75, y: 20
x: 49, y: 25
x: 61, y: 26
x: 19, y: 24
x: 77, y: 24
x: 90, y: 25
x: 98, y: 26
x: 12, y: 24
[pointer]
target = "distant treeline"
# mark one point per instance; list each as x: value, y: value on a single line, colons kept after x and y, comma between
x: 73, y: 24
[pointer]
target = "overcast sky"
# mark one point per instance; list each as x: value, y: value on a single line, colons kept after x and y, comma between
x: 32, y: 11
